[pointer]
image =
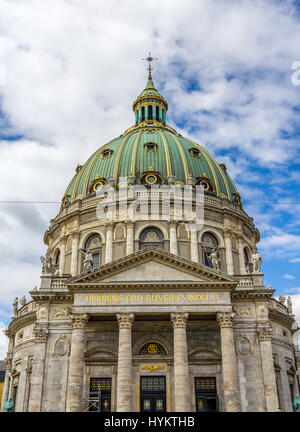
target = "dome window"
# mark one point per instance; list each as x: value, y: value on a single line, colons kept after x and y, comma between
x: 97, y: 185
x: 106, y: 154
x: 150, y: 112
x: 205, y: 184
x: 157, y: 113
x: 195, y: 152
x: 151, y: 177
x: 150, y: 147
x: 65, y: 201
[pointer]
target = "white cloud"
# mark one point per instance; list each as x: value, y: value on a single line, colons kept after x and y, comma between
x: 295, y: 260
x: 288, y: 276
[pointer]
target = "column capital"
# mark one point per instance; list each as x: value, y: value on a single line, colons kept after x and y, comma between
x: 264, y: 333
x: 109, y: 226
x: 129, y: 224
x: 74, y: 235
x: 227, y: 232
x: 225, y: 319
x: 125, y: 320
x: 40, y: 334
x: 64, y: 238
x: 179, y: 319
x: 79, y: 320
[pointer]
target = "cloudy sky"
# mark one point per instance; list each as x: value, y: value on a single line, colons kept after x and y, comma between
x: 69, y: 72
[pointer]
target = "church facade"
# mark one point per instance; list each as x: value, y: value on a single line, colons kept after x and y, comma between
x: 151, y: 312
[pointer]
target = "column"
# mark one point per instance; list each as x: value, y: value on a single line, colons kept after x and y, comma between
x: 74, y: 257
x: 181, y: 368
x: 173, y: 238
x: 124, y: 377
x: 129, y: 239
x: 37, y: 377
x: 109, y: 244
x: 194, y: 246
x: 229, y: 363
x: 76, y: 363
x: 240, y: 245
x: 63, y: 243
x: 229, y: 260
x: 265, y: 335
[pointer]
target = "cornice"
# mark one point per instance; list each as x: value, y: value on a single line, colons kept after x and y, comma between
x: 252, y: 295
x: 283, y: 343
x: 153, y: 286
x: 21, y: 321
x: 50, y: 296
x: 280, y: 317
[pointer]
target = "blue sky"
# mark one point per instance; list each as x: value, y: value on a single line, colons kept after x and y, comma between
x: 69, y: 72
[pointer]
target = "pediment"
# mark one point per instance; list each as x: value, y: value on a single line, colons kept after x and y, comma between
x: 152, y: 265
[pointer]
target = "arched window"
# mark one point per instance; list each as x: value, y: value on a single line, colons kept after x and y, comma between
x: 151, y: 237
x: 143, y: 113
x: 57, y: 258
x: 209, y: 244
x: 157, y: 113
x: 246, y: 259
x: 152, y: 348
x: 93, y: 245
x: 150, y: 112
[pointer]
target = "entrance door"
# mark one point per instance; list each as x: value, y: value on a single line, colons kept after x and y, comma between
x: 100, y: 394
x: 153, y: 393
x: 206, y: 394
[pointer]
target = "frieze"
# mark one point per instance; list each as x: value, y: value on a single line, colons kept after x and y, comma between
x: 243, y: 311
x: 60, y: 312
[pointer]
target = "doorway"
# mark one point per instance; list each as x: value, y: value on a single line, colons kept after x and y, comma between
x: 206, y: 394
x: 153, y: 393
x: 100, y: 395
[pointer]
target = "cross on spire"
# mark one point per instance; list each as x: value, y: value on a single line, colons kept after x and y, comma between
x: 149, y: 59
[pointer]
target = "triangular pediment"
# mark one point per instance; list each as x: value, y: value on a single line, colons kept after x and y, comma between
x: 152, y: 265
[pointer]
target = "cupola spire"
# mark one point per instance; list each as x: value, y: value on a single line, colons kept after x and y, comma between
x: 149, y: 59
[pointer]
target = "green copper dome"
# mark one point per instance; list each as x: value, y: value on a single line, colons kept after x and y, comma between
x: 151, y: 147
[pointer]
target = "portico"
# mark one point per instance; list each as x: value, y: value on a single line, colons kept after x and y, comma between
x: 166, y: 313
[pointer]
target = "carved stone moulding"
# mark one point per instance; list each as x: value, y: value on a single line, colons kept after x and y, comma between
x: 125, y: 320
x: 61, y: 346
x: 243, y: 344
x: 179, y: 319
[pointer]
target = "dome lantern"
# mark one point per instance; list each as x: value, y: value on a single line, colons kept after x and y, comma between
x: 150, y: 106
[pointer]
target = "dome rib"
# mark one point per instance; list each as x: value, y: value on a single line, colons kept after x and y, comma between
x: 134, y: 152
x: 167, y: 153
x: 205, y: 154
x: 183, y: 158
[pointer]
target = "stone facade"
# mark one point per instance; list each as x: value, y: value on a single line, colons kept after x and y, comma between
x: 210, y: 323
